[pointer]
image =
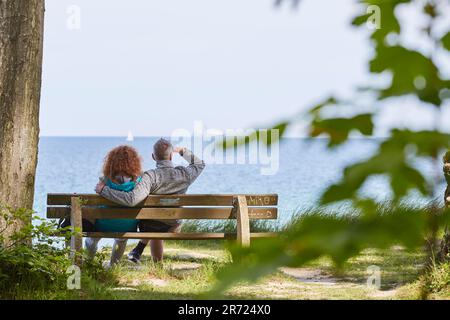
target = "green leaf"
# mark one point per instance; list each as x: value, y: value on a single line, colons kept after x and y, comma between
x: 427, y: 143
x: 391, y: 160
x: 402, y: 178
x: 338, y: 129
x: 408, y: 68
x: 318, y: 107
x: 281, y: 127
x: 446, y: 41
x: 388, y: 21
x: 263, y: 135
x: 361, y: 19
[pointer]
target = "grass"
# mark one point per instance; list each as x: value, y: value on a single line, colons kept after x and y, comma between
x: 401, y: 274
x: 400, y: 278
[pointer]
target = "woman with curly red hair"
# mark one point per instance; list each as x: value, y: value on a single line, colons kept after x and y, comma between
x: 122, y: 170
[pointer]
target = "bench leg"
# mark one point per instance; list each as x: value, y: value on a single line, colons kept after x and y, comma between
x: 76, y: 241
x: 243, y: 223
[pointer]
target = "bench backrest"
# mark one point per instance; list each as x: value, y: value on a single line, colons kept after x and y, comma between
x: 192, y: 206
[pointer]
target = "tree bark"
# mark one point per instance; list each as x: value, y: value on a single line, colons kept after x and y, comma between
x: 444, y: 254
x: 21, y: 46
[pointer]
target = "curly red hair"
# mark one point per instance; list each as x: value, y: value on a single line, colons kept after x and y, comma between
x: 122, y: 161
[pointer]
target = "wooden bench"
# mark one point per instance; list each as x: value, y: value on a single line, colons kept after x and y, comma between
x: 192, y: 206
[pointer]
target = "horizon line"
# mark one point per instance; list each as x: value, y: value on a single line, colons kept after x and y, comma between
x: 156, y: 136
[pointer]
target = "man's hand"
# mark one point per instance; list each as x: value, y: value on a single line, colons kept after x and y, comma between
x: 99, y: 187
x: 179, y: 150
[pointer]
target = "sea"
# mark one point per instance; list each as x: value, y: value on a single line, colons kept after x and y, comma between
x: 300, y: 169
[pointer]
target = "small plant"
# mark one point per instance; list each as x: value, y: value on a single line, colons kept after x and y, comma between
x: 35, y: 259
x: 32, y: 259
x: 438, y: 278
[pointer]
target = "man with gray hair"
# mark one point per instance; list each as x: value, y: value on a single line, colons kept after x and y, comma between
x: 165, y: 179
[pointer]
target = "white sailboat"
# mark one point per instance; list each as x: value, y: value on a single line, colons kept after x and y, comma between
x: 130, y: 136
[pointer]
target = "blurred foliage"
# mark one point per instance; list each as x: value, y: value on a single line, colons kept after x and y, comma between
x: 260, y: 135
x: 412, y: 73
x: 339, y: 237
x: 338, y: 129
x: 447, y: 177
x: 391, y: 159
x: 447, y: 157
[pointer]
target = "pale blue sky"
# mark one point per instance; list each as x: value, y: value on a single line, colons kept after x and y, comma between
x: 154, y: 66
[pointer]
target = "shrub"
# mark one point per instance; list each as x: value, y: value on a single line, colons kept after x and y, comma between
x: 32, y: 259
x: 438, y: 278
x: 33, y: 262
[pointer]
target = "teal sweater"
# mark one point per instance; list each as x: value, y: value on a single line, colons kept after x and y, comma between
x: 118, y: 225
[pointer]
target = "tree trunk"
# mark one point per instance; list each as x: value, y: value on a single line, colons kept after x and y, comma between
x: 444, y: 254
x: 21, y: 39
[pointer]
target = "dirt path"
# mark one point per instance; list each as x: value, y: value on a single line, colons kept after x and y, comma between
x: 184, y: 267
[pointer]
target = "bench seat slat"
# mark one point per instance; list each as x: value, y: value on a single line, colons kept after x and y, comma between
x: 175, y: 236
x: 162, y: 213
x: 170, y: 200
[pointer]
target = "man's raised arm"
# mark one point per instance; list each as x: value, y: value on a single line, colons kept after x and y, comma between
x: 196, y: 165
x: 132, y: 198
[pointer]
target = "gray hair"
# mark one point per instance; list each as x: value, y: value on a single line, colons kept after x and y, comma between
x: 162, y: 149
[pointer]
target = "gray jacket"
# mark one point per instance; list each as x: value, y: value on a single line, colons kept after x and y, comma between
x: 165, y: 179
